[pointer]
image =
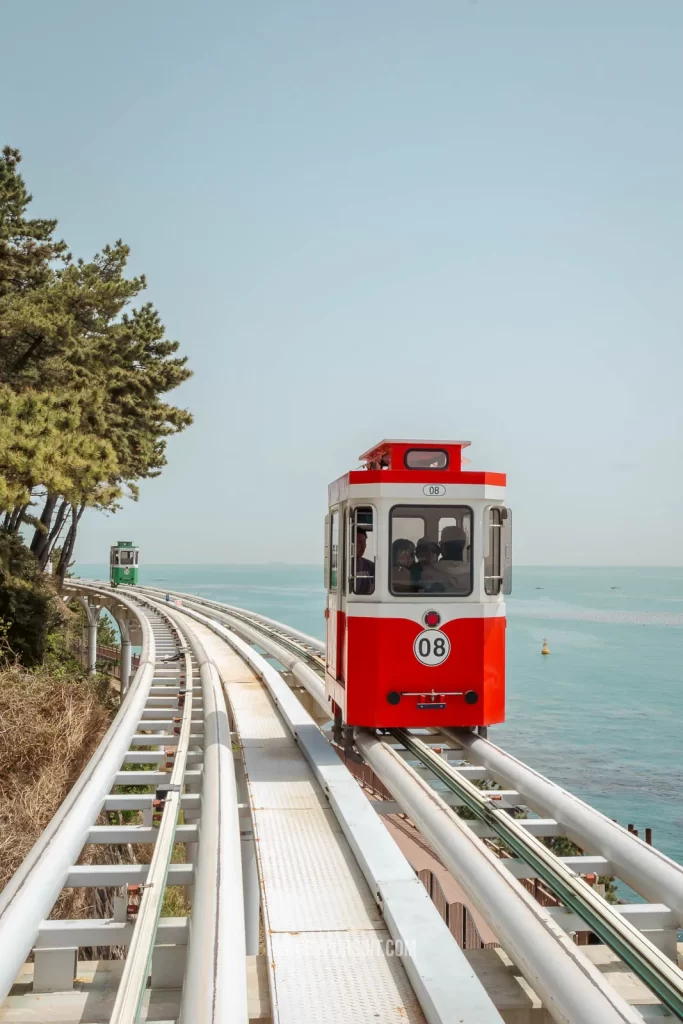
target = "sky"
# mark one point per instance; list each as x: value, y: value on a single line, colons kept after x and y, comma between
x: 454, y: 218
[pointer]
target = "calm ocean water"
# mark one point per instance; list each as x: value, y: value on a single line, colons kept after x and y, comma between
x: 601, y: 715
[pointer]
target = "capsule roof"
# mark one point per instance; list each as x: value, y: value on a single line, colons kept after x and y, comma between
x: 393, y: 454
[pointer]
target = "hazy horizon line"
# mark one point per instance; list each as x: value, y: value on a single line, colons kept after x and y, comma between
x: 318, y: 565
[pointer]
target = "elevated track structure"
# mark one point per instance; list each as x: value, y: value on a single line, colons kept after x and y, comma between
x: 299, y: 905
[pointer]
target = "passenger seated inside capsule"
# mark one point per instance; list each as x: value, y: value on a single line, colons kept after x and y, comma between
x: 451, y: 573
x: 402, y: 562
x: 365, y: 569
x: 427, y: 553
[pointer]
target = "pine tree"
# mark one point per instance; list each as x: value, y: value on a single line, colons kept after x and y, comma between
x: 82, y: 377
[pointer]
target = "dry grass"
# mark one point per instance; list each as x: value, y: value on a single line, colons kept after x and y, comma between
x: 50, y: 725
x: 48, y: 730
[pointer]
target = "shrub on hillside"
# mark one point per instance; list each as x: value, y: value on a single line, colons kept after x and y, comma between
x: 27, y: 604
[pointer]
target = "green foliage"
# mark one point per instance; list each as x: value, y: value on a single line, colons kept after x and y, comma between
x: 27, y: 248
x: 83, y: 377
x: 43, y: 443
x: 561, y: 846
x: 96, y: 370
x: 107, y: 635
x: 483, y: 784
x: 27, y: 606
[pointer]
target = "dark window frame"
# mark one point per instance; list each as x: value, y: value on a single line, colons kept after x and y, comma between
x: 431, y: 596
x: 428, y: 469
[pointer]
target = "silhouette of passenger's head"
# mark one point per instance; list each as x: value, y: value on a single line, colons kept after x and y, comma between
x: 427, y: 551
x: 402, y: 552
x: 453, y: 540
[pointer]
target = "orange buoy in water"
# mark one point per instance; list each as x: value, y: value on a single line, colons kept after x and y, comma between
x: 544, y: 649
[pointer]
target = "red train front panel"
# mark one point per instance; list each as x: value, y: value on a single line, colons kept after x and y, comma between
x: 405, y: 674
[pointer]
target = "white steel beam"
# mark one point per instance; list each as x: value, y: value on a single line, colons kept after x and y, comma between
x: 645, y: 868
x: 99, y: 876
x: 138, y: 964
x: 138, y: 834
x: 105, y: 932
x: 140, y: 801
x: 572, y: 989
x: 30, y: 894
x: 215, y: 987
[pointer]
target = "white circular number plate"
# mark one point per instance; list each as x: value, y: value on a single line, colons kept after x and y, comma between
x: 431, y: 647
x: 434, y: 490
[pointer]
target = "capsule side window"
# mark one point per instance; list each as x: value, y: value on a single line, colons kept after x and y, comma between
x: 493, y: 578
x: 362, y: 550
x: 506, y: 543
x: 421, y: 458
x: 497, y: 550
x: 326, y: 568
x: 334, y: 548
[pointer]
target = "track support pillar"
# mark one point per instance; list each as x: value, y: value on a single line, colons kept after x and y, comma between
x: 54, y: 970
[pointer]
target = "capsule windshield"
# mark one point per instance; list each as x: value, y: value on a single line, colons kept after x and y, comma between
x: 430, y: 550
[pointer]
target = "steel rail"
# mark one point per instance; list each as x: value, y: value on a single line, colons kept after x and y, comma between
x: 652, y: 966
x: 301, y: 644
x: 310, y: 641
x: 215, y: 989
x: 32, y: 891
x: 215, y: 984
x: 644, y: 868
x: 572, y: 989
x: 133, y: 983
x: 298, y: 661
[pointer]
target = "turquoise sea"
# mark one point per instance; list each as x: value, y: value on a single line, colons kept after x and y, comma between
x: 601, y: 715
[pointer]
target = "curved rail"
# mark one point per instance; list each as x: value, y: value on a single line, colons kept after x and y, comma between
x: 31, y: 893
x: 162, y: 693
x: 133, y: 982
x: 215, y: 986
x: 291, y: 648
x: 302, y: 644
